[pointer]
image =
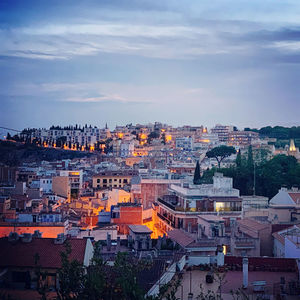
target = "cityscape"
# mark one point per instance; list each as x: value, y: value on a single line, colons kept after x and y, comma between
x: 149, y: 150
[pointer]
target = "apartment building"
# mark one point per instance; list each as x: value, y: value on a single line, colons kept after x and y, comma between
x: 242, y: 138
x: 222, y: 131
x: 181, y: 207
x: 113, y: 179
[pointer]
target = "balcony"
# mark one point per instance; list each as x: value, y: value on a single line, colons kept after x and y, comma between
x: 165, y: 219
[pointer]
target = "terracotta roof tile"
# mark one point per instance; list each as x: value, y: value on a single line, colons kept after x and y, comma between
x: 22, y: 254
x: 180, y: 237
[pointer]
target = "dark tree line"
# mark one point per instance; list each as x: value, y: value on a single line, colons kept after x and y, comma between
x: 268, y: 175
x: 278, y: 132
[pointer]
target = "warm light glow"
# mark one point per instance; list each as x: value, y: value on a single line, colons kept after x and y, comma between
x: 143, y: 136
x: 220, y: 206
x: 168, y: 138
x: 292, y: 146
x: 224, y: 250
x: 120, y: 135
x: 74, y: 173
x: 205, y: 141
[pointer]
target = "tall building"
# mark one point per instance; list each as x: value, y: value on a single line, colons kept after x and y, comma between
x: 222, y: 131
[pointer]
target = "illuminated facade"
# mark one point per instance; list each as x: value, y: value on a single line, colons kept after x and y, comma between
x: 115, y: 179
x: 242, y: 138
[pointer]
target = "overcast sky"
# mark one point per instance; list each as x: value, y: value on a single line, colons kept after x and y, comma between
x: 181, y: 62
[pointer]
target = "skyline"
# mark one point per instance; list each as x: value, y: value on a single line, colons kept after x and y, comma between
x: 177, y: 62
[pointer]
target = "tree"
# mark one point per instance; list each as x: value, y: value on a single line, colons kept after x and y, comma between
x: 8, y: 136
x: 221, y: 152
x: 238, y: 160
x: 197, y: 176
x: 71, y: 276
x: 163, y: 138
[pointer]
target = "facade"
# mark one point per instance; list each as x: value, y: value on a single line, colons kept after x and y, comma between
x: 256, y: 231
x: 68, y: 184
x: 146, y: 191
x: 184, y: 203
x: 242, y: 138
x: 222, y: 131
x: 114, y: 179
x: 184, y: 143
x: 140, y: 235
x: 286, y: 242
x: 127, y: 149
x: 125, y: 214
x: 284, y: 207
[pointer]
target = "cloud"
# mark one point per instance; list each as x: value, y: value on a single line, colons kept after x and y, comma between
x: 102, y: 98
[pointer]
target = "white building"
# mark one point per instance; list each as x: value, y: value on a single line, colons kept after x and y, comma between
x: 126, y: 149
x: 185, y: 143
x: 222, y: 131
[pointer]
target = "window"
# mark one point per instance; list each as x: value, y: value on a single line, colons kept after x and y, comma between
x: 98, y: 180
x: 110, y: 180
x: 125, y: 180
x: 104, y: 180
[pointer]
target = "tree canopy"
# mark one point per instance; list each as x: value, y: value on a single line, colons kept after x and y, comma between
x: 270, y: 175
x: 197, y: 176
x: 221, y: 152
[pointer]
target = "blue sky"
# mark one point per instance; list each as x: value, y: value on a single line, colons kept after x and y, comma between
x: 180, y: 62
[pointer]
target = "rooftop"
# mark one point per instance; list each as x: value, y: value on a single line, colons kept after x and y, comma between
x: 139, y: 229
x: 22, y: 254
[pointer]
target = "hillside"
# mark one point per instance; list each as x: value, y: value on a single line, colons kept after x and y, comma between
x: 13, y: 154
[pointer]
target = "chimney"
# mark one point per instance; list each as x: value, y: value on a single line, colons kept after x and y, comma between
x: 245, y: 272
x: 13, y: 237
x: 108, y: 241
x: 37, y: 234
x: 60, y: 239
x: 26, y: 238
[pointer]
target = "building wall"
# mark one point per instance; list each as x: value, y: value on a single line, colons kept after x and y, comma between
x: 278, y: 249
x: 280, y: 215
x: 60, y: 186
x: 151, y: 191
x: 47, y: 231
x: 265, y: 236
x: 117, y: 181
x: 292, y: 247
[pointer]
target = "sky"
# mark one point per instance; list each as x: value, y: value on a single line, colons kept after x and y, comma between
x: 177, y: 62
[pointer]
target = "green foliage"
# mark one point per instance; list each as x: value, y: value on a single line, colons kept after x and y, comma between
x: 152, y: 135
x: 270, y: 175
x: 197, y: 176
x: 278, y: 132
x: 71, y: 276
x: 221, y: 152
